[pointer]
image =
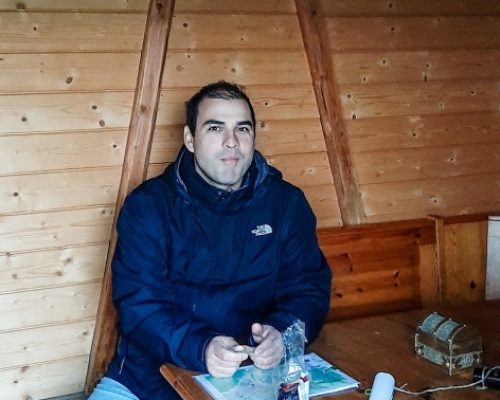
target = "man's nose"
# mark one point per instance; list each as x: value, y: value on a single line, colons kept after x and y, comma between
x: 230, y: 139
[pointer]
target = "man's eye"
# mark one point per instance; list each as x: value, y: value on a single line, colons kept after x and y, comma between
x: 244, y: 129
x: 214, y: 128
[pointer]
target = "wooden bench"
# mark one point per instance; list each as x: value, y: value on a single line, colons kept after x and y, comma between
x: 381, y: 267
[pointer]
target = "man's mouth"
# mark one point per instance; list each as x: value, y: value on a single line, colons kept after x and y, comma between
x: 230, y: 160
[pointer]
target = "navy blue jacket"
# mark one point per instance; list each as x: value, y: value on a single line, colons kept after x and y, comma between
x: 193, y: 262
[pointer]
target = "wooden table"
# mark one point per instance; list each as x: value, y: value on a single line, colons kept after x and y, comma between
x: 364, y: 346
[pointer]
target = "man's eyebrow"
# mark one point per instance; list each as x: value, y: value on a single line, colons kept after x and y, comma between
x: 213, y: 122
x: 217, y: 122
x: 245, y: 123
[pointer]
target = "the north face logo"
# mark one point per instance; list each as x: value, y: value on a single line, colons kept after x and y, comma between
x: 262, y: 230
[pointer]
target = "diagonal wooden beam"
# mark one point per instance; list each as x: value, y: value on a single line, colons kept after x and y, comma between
x: 140, y: 134
x: 328, y: 99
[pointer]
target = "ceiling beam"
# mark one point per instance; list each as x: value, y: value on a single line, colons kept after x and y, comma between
x: 138, y: 147
x: 317, y: 49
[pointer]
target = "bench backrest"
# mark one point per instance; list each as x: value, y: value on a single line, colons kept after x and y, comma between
x: 381, y: 267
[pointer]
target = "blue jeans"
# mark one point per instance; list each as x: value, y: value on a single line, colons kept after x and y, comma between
x: 109, y: 389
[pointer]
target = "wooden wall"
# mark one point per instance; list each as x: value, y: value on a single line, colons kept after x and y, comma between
x: 67, y: 79
x: 418, y: 86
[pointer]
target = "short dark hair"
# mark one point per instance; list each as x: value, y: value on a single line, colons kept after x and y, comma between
x: 217, y: 90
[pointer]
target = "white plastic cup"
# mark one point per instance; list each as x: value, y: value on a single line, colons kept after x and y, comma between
x: 383, y: 387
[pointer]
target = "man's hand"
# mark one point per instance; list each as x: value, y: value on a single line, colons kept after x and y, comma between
x: 269, y: 350
x: 223, y: 356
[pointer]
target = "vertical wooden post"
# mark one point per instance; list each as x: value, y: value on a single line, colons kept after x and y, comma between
x: 140, y: 134
x: 327, y: 97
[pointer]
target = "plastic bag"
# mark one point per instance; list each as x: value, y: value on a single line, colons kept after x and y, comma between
x: 294, y: 382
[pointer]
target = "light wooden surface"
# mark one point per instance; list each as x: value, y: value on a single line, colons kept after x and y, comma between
x: 362, y: 347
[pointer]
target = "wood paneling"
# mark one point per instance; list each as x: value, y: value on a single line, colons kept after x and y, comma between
x: 374, y: 8
x: 65, y: 111
x: 401, y: 33
x: 414, y: 131
x: 70, y: 32
x: 427, y: 162
x: 204, y: 6
x: 246, y: 32
x: 312, y: 170
x: 416, y: 66
x: 45, y: 380
x: 465, y: 253
x: 54, y: 305
x: 27, y: 152
x: 445, y: 196
x: 363, y: 101
x: 251, y: 67
x: 68, y: 72
x: 30, y: 346
x: 58, y: 190
x: 377, y: 268
x: 33, y: 232
x: 54, y: 267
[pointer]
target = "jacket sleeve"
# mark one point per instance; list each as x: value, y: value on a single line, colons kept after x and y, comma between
x: 304, y: 279
x: 142, y: 293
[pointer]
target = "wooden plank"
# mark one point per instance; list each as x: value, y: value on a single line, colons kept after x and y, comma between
x: 44, y: 269
x: 67, y: 72
x: 303, y: 169
x: 323, y: 201
x: 327, y: 98
x: 274, y: 102
x: 441, y: 196
x: 411, y: 8
x: 236, y: 6
x: 410, y: 98
x: 413, y: 131
x: 426, y: 162
x: 58, y: 190
x: 32, y: 232
x: 36, y: 32
x: 430, y: 275
x: 448, y: 211
x: 465, y: 254
x: 40, y: 381
x: 206, y: 6
x: 91, y: 72
x: 360, y: 284
x: 30, y: 346
x: 415, y: 66
x: 250, y: 67
x: 84, y: 32
x: 26, y: 152
x: 410, y: 33
x: 240, y: 31
x: 54, y: 305
x: 64, y: 111
x: 141, y: 128
x: 75, y: 5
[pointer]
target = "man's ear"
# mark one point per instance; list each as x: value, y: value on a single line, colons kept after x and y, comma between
x: 188, y: 139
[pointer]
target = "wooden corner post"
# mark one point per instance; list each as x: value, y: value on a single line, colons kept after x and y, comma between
x: 140, y: 134
x: 327, y: 97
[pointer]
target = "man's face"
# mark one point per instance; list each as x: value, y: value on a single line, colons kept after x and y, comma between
x: 223, y: 143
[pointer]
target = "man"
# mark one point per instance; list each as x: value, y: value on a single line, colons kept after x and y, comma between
x: 215, y: 258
